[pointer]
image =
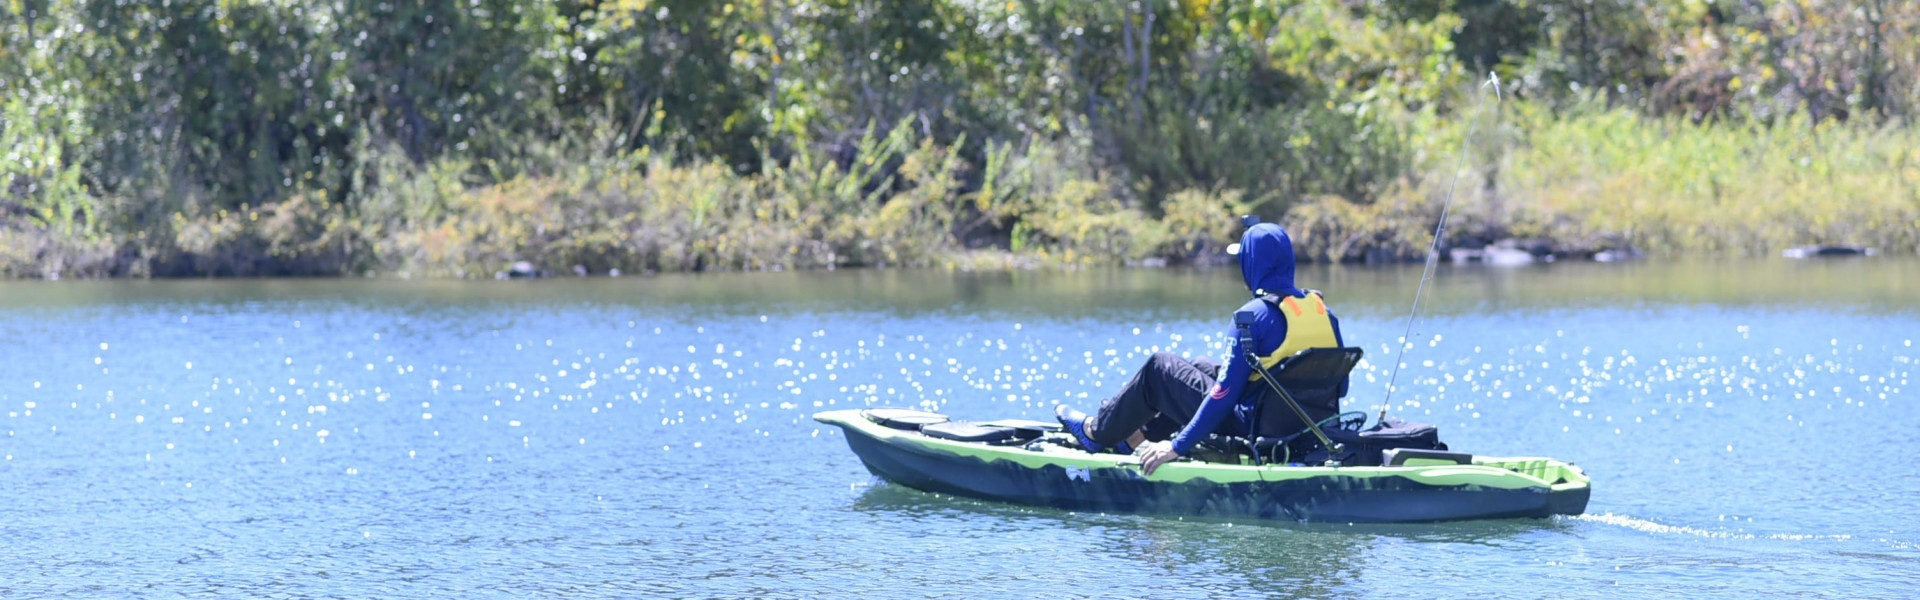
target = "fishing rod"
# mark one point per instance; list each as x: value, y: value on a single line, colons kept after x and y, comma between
x: 1433, y: 251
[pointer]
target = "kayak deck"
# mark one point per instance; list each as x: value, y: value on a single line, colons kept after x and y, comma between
x: 1039, y: 473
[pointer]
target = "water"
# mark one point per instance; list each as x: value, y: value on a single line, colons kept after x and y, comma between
x: 1748, y: 427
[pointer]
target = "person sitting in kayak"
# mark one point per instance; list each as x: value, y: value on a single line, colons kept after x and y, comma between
x: 1171, y: 404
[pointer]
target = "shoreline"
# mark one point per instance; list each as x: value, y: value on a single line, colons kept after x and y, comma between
x: 1501, y: 254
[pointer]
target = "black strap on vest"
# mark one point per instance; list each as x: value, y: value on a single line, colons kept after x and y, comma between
x: 1243, y: 324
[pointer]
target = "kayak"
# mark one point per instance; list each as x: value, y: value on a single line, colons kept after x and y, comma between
x: 1037, y: 464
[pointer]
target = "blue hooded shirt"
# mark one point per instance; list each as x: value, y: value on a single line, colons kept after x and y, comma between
x: 1266, y: 263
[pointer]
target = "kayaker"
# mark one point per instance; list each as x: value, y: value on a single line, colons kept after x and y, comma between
x: 1171, y: 403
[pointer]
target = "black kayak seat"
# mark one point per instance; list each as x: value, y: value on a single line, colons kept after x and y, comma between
x: 967, y: 431
x: 1316, y: 378
x: 1415, y: 457
x: 903, y: 418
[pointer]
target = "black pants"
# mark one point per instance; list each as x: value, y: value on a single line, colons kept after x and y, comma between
x: 1160, y: 399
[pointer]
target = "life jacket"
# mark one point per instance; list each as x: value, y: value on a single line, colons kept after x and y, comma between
x: 1308, y: 326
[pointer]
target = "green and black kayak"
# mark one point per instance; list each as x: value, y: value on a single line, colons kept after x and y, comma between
x: 1034, y: 463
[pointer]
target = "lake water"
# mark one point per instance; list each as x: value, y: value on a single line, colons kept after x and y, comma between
x: 1749, y: 427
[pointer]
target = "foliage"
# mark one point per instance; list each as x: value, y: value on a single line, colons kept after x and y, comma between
x: 460, y: 136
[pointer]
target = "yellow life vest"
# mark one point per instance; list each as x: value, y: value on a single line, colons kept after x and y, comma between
x: 1308, y: 326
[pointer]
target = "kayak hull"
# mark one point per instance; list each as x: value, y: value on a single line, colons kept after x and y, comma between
x: 1071, y: 479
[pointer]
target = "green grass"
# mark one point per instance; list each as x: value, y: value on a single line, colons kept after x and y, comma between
x: 1670, y: 186
x: 1593, y: 179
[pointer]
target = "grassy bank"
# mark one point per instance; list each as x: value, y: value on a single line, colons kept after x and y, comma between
x: 1596, y: 179
x: 905, y: 202
x: 1580, y: 182
x: 1669, y: 186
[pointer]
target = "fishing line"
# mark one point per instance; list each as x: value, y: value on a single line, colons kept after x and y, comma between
x: 1433, y: 251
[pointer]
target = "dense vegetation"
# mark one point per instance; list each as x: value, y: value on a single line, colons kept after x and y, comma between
x: 456, y: 137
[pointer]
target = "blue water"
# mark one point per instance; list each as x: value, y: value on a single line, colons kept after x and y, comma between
x: 1748, y: 435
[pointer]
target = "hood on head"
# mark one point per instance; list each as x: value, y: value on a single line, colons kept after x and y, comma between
x: 1266, y: 259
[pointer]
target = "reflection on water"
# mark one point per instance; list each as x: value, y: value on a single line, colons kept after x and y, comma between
x: 651, y: 436
x: 1281, y: 559
x: 1153, y: 555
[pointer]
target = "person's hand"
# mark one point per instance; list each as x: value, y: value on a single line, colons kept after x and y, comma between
x: 1156, y: 454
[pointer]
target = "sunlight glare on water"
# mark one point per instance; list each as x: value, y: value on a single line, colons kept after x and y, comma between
x: 652, y: 437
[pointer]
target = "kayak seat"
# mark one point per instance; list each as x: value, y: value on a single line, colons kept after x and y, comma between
x: 903, y: 418
x: 1316, y: 378
x: 1415, y: 457
x: 966, y: 431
